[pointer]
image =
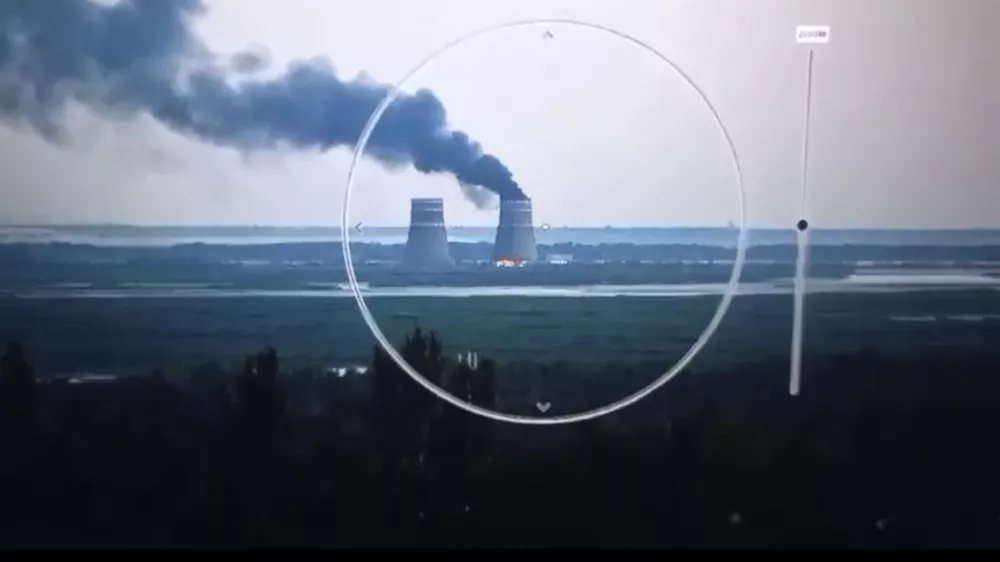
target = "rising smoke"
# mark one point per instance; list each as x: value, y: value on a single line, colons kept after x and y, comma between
x: 140, y: 57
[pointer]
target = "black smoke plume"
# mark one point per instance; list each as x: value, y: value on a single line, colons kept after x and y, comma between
x: 140, y: 57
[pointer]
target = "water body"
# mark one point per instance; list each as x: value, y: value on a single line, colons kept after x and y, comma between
x: 877, y: 283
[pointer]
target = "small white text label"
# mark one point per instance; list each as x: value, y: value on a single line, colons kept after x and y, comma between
x: 812, y: 34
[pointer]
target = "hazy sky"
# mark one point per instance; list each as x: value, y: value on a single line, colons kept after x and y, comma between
x: 905, y: 118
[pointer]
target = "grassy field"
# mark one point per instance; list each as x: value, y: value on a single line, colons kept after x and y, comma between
x: 139, y: 334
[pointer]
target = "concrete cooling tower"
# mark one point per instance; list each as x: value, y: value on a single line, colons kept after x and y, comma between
x: 515, y: 242
x: 427, y: 240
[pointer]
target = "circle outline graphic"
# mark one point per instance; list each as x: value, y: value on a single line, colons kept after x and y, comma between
x: 713, y: 324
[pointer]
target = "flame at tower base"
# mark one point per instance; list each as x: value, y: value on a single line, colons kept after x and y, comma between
x: 427, y: 238
x: 515, y: 240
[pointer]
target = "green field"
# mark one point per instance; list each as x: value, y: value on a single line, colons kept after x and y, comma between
x: 136, y: 333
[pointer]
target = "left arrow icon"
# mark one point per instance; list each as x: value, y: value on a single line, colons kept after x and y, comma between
x: 360, y: 228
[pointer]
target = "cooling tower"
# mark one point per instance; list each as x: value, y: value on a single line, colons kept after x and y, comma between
x: 515, y: 240
x: 427, y: 240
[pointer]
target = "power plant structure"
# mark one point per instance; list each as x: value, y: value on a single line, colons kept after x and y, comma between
x: 427, y: 238
x: 515, y: 241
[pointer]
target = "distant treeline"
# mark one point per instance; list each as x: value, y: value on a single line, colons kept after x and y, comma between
x: 880, y: 451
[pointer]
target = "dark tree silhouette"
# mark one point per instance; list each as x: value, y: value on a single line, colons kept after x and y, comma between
x: 885, y: 450
x: 17, y: 391
x: 450, y: 436
x: 387, y: 378
x: 483, y: 393
x: 261, y: 406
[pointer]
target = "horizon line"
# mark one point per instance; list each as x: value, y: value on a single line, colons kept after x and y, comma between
x: 470, y: 226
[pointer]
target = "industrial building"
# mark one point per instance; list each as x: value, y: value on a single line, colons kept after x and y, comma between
x: 427, y: 238
x: 515, y: 238
x: 559, y: 259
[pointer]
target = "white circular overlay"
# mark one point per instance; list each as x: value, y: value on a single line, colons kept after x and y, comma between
x: 685, y: 360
